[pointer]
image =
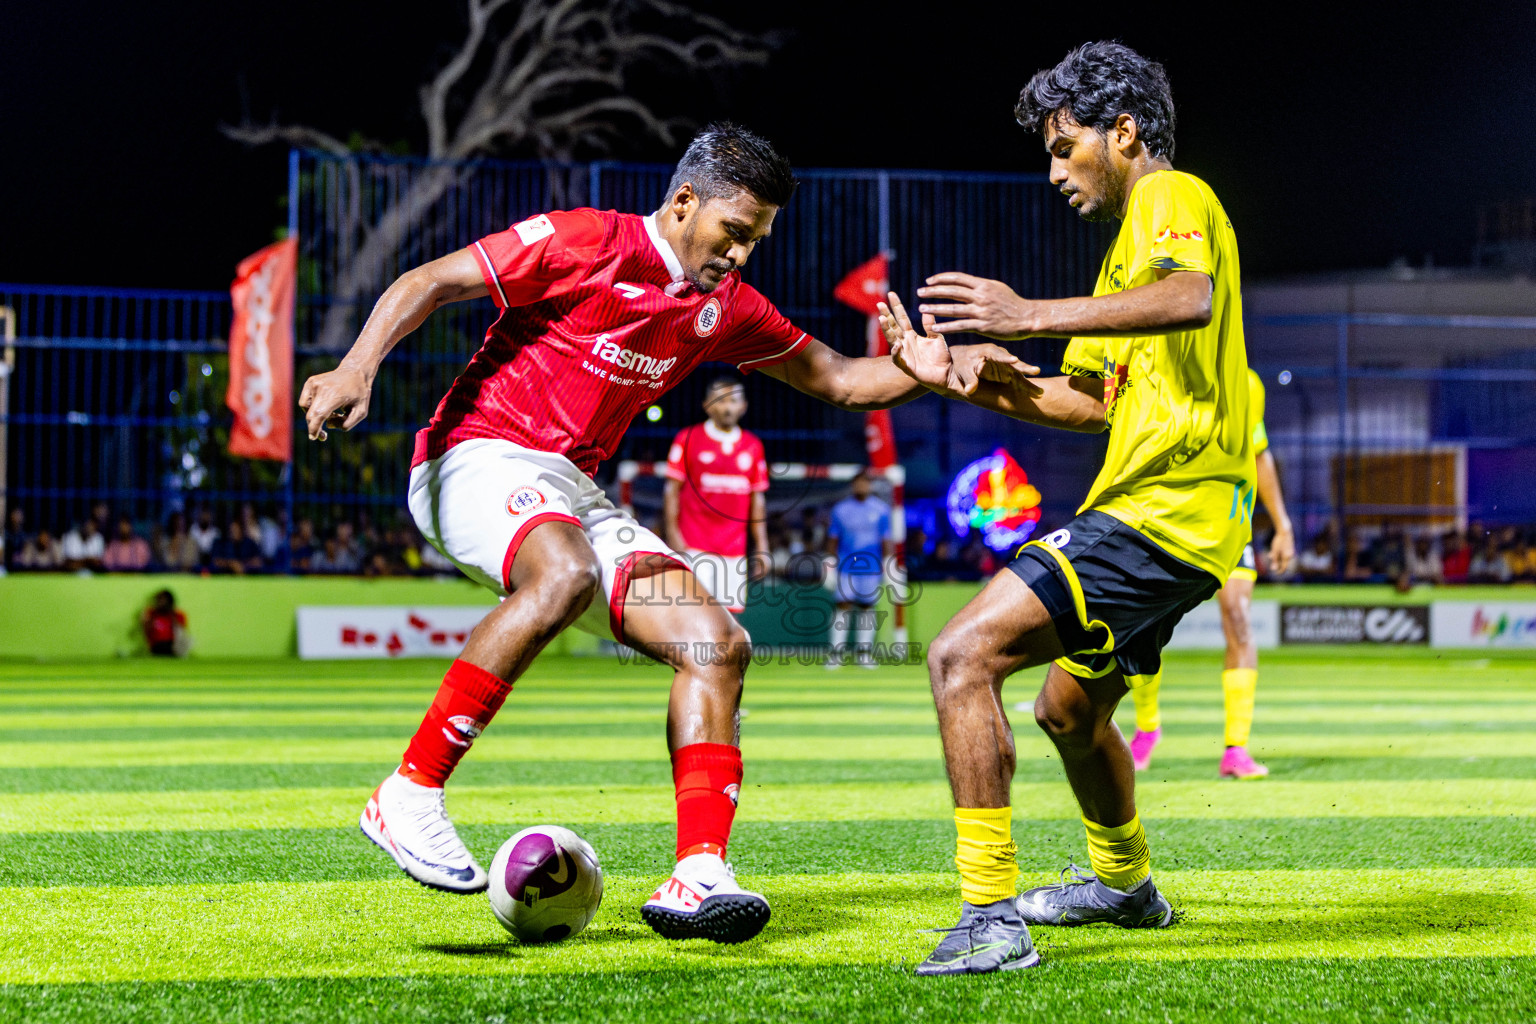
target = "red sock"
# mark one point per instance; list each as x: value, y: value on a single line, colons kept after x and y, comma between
x: 464, y: 706
x: 708, y: 781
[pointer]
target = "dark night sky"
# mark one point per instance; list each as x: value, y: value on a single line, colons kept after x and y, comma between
x: 1335, y: 138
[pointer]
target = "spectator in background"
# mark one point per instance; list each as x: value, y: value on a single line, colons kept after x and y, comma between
x: 1457, y: 560
x: 15, y: 537
x: 1317, y: 562
x: 1423, y: 563
x: 811, y: 534
x: 1357, y: 560
x: 1522, y: 558
x: 83, y: 548
x: 915, y: 552
x: 348, y: 547
x: 101, y: 515
x: 1389, y: 556
x: 177, y: 551
x: 128, y: 552
x: 235, y: 553
x: 1489, y: 565
x: 301, y: 546
x: 334, y: 559
x: 204, y: 533
x: 165, y: 626
x: 978, y: 559
x: 41, y: 553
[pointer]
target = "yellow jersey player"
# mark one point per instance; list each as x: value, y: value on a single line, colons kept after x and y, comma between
x: 1240, y: 674
x: 1157, y: 355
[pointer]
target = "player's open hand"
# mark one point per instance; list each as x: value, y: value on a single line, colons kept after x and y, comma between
x: 335, y: 399
x: 980, y: 306
x: 923, y: 357
x: 976, y: 363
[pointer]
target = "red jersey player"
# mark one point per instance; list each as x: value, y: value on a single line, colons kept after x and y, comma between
x: 716, y: 476
x: 601, y: 313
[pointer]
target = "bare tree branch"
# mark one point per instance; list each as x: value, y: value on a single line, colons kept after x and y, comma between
x: 551, y: 78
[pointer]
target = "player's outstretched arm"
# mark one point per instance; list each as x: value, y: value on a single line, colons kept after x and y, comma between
x: 1179, y: 300
x: 857, y: 384
x: 990, y: 377
x: 1282, y: 548
x: 339, y: 398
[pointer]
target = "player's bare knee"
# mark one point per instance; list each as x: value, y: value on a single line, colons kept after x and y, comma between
x: 567, y: 589
x: 948, y: 659
x: 1235, y: 621
x: 1066, y: 721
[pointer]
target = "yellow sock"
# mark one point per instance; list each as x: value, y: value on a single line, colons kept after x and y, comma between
x: 1149, y: 716
x: 986, y: 854
x: 1239, y: 685
x: 1119, y: 855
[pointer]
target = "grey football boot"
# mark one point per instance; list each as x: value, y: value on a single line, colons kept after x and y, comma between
x: 990, y: 937
x: 1080, y: 898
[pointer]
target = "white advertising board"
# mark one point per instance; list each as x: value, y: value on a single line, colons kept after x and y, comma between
x: 1200, y: 630
x: 385, y: 632
x: 1482, y: 624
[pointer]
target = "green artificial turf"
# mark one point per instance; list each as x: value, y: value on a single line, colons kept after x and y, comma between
x: 178, y: 843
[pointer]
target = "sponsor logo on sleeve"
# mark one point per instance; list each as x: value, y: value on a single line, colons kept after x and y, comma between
x: 1057, y: 540
x: 534, y: 228
x: 1168, y: 234
x: 708, y: 318
x: 524, y: 500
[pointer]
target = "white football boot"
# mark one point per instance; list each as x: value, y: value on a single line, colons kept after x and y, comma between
x: 702, y: 901
x: 409, y: 822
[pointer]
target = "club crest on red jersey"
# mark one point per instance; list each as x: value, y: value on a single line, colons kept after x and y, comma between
x: 524, y: 500
x: 708, y: 319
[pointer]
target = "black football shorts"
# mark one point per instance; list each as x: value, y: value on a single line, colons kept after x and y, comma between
x: 1113, y: 595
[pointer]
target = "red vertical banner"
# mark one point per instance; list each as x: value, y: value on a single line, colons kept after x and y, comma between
x: 261, y: 353
x: 864, y: 286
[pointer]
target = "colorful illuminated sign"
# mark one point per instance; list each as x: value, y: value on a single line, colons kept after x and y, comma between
x: 994, y: 495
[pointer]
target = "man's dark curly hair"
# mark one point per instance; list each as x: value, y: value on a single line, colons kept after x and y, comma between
x: 1095, y: 84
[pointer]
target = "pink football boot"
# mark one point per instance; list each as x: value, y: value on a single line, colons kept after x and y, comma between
x: 1237, y: 763
x: 1142, y: 745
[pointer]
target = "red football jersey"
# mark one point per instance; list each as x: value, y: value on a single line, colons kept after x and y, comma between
x: 719, y: 472
x: 597, y: 323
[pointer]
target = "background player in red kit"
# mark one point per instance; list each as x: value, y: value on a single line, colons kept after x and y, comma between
x: 602, y: 312
x: 716, y: 476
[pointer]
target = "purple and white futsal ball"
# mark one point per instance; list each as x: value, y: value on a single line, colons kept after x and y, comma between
x: 545, y: 884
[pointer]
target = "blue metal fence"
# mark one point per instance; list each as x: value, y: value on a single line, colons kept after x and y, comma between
x: 117, y: 395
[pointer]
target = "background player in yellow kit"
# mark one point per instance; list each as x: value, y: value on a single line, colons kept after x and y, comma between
x: 1158, y: 353
x: 1240, y: 674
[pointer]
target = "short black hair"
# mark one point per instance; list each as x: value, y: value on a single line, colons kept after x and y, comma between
x: 725, y: 159
x: 1094, y: 85
x: 724, y: 380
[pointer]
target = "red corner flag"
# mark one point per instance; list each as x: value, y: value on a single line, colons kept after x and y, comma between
x: 261, y: 353
x: 864, y: 286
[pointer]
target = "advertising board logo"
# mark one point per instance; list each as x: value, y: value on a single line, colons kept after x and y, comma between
x: 1354, y: 624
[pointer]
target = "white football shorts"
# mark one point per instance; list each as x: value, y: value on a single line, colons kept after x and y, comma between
x: 478, y: 501
x: 723, y: 576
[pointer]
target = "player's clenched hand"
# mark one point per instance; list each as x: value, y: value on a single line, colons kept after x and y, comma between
x: 980, y: 306
x: 1282, y: 550
x: 923, y: 357
x: 335, y: 399
x: 994, y: 363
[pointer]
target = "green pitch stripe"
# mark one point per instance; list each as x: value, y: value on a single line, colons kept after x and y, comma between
x: 1239, y: 991
x: 656, y: 771
x: 318, y: 808
x: 339, y: 720
x: 190, y: 932
x: 504, y: 745
x: 766, y: 848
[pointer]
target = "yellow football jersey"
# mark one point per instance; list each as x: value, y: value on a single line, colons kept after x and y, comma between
x: 1180, y: 463
x: 1256, y: 412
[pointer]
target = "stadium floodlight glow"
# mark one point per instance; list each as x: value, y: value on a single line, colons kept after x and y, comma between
x: 1285, y: 376
x: 994, y: 495
x: 653, y: 413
